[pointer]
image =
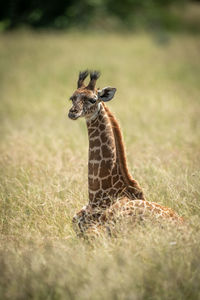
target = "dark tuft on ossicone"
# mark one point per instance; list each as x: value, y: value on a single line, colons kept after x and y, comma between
x: 94, y: 75
x: 83, y: 74
x: 81, y: 77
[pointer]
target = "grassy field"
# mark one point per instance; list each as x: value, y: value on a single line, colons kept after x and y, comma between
x: 43, y: 165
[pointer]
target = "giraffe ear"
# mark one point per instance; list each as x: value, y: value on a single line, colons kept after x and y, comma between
x: 106, y: 94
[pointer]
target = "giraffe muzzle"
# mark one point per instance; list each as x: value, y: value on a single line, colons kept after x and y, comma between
x: 73, y: 114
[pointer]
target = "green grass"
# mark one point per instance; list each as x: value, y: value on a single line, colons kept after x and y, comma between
x: 43, y: 175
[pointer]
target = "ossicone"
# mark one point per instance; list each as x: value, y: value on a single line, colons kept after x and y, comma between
x: 94, y: 75
x: 81, y: 78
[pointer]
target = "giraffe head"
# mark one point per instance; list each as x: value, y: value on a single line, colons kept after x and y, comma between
x: 86, y: 99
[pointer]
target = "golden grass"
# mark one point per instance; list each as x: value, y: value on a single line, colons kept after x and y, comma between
x: 43, y: 177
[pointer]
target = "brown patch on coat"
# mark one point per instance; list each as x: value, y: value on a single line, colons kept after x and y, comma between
x: 95, y: 133
x: 105, y: 168
x: 106, y: 151
x: 93, y: 169
x: 102, y: 127
x: 106, y: 183
x: 118, y: 185
x: 94, y: 184
x: 95, y: 155
x: 103, y: 137
x: 95, y: 143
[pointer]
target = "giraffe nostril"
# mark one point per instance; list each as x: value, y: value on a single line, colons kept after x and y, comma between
x: 71, y: 115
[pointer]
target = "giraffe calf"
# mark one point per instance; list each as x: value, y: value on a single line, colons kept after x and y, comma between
x: 113, y: 193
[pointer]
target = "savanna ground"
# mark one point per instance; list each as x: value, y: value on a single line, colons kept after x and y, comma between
x: 43, y: 176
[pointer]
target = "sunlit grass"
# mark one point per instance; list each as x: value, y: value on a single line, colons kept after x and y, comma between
x: 43, y: 177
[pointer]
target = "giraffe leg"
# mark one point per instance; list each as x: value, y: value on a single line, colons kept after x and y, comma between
x: 86, y: 220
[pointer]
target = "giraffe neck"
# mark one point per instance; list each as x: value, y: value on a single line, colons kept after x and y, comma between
x: 108, y: 176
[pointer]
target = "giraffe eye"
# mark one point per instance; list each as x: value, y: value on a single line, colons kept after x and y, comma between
x: 91, y: 100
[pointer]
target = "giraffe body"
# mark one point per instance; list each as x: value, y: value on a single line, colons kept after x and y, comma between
x: 90, y: 220
x: 113, y: 193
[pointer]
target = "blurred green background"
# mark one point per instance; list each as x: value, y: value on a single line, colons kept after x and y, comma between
x: 106, y: 14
